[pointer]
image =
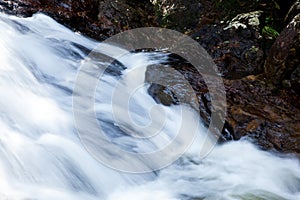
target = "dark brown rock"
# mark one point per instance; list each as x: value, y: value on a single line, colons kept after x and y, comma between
x: 178, y: 14
x: 267, y: 115
x: 175, y: 90
x: 255, y: 111
x: 121, y: 15
x: 235, y: 46
x: 270, y: 119
x: 98, y: 19
x: 282, y: 64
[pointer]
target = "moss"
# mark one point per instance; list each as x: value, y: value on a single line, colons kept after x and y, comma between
x: 269, y: 33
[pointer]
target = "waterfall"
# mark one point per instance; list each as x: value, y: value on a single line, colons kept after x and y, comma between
x: 43, y: 158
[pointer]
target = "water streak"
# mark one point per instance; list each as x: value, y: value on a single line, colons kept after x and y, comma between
x: 41, y: 156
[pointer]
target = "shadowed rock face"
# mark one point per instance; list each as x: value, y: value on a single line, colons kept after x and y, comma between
x: 283, y: 63
x: 237, y: 51
x: 98, y: 19
x: 177, y: 13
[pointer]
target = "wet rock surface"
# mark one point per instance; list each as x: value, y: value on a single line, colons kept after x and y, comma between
x: 273, y: 123
x: 260, y: 67
x: 283, y: 63
x: 236, y: 46
x: 268, y: 117
x: 170, y: 13
x: 98, y: 19
x: 258, y: 109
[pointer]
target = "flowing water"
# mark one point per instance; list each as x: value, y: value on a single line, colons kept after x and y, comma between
x: 42, y: 157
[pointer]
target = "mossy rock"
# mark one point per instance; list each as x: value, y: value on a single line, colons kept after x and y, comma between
x: 180, y: 15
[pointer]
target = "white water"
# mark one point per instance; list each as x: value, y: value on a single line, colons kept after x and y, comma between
x: 41, y: 156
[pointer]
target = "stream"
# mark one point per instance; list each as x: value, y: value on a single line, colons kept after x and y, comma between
x: 42, y: 157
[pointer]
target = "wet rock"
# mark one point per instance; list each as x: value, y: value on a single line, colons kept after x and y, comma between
x: 98, y: 19
x: 162, y: 94
x: 271, y: 120
x: 182, y: 84
x: 236, y: 46
x: 117, y: 16
x: 255, y: 111
x: 171, y: 86
x: 266, y: 114
x: 178, y: 14
x: 283, y: 62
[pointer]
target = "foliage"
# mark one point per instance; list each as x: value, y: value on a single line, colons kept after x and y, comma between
x: 269, y: 33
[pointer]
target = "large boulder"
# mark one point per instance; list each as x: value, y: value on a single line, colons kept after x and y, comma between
x: 283, y: 63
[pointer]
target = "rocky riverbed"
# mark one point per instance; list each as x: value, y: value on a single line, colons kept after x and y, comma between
x: 256, y: 47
